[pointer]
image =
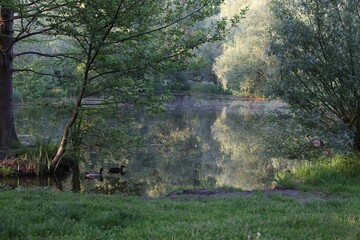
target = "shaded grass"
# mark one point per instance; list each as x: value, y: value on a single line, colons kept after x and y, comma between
x: 337, y: 175
x: 40, y: 214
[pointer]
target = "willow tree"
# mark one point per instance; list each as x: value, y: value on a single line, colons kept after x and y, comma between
x: 317, y: 45
x: 244, y: 63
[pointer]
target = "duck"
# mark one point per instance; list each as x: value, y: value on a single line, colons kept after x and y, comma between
x: 94, y: 174
x: 120, y: 169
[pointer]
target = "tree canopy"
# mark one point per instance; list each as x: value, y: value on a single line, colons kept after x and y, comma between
x: 244, y: 63
x: 114, y: 49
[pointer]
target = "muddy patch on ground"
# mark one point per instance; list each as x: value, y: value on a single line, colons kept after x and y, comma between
x: 291, y: 193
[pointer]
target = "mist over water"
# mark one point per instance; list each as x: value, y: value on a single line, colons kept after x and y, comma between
x: 200, y: 141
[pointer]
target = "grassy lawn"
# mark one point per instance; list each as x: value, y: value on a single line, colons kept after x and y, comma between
x: 45, y: 214
x: 41, y: 214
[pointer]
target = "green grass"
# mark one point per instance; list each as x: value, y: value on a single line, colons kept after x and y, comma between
x: 41, y: 214
x: 337, y: 175
x: 45, y: 214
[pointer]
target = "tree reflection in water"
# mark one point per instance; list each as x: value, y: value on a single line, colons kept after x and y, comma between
x: 198, y: 142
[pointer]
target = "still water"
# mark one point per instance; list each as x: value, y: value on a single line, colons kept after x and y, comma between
x: 200, y: 141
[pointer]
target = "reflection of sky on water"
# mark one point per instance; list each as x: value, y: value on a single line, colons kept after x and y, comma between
x: 199, y: 142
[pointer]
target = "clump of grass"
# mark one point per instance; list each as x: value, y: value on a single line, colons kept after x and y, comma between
x: 6, y: 171
x: 35, y: 159
x: 5, y: 187
x: 337, y: 174
x: 339, y: 169
x: 42, y: 154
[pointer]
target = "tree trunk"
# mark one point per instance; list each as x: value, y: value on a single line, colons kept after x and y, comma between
x: 8, y: 136
x: 65, y: 138
x: 66, y: 135
x: 357, y: 137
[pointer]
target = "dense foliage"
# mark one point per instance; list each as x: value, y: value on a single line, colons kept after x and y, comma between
x: 115, y: 50
x: 151, y: 41
x: 316, y: 43
x: 126, y: 52
x: 244, y: 63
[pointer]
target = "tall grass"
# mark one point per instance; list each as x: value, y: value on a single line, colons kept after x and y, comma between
x: 339, y: 169
x: 340, y: 173
x: 37, y: 157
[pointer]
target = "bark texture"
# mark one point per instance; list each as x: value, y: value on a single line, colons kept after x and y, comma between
x: 7, y: 127
x: 357, y: 137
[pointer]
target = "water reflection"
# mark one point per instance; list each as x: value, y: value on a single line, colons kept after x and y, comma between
x: 53, y: 182
x: 198, y: 142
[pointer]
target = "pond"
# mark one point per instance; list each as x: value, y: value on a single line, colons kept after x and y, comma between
x: 201, y: 141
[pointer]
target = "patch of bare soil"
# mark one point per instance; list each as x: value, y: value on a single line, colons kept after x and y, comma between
x: 296, y: 194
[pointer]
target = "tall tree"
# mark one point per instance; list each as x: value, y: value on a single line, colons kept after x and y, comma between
x: 119, y: 47
x: 244, y: 63
x: 7, y: 128
x: 123, y: 45
x: 316, y: 43
x: 19, y: 20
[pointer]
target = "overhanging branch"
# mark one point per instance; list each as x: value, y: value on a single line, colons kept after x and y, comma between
x: 39, y: 73
x: 56, y: 55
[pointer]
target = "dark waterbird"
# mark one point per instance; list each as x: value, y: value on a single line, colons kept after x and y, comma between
x: 120, y: 170
x: 94, y: 174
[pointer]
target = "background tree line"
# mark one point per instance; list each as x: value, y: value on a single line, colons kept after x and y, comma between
x: 303, y: 52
